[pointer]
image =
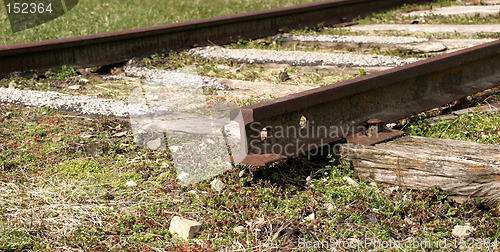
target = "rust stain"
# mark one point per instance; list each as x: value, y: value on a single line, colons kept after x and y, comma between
x: 434, y: 76
x: 477, y: 169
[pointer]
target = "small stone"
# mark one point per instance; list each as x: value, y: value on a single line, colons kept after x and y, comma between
x: 185, y: 228
x: 222, y: 67
x: 238, y: 229
x: 462, y: 231
x: 217, y: 185
x: 350, y: 181
x: 308, y: 180
x: 211, y: 73
x: 242, y: 173
x: 310, y: 217
x: 12, y: 84
x: 257, y: 221
x: 183, y: 176
x: 74, y: 87
x: 409, y: 221
x: 329, y: 206
x: 174, y: 148
x: 83, y: 80
x: 372, y: 218
x: 130, y: 184
x: 154, y: 144
x: 120, y: 134
x: 283, y: 76
x: 203, y: 146
x: 56, y: 139
x: 86, y: 135
x: 391, y: 190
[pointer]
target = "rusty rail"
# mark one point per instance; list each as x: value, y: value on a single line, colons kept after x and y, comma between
x: 114, y: 47
x: 295, y: 124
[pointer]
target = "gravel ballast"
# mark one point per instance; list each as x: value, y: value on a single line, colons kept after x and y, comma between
x: 468, y: 11
x: 427, y: 28
x: 79, y: 104
x: 352, y: 39
x: 185, y: 77
x: 299, y: 58
x: 109, y: 107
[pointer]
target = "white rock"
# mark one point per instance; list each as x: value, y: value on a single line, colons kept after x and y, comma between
x: 182, y: 176
x: 350, y: 181
x: 183, y: 227
x: 222, y: 67
x: 238, y: 229
x: 391, y: 190
x: 310, y: 217
x: 257, y: 221
x: 130, y: 184
x: 174, y: 148
x: 329, y: 206
x: 242, y: 172
x: 308, y: 180
x: 462, y: 231
x: 210, y: 141
x: 120, y: 134
x: 74, y: 87
x: 217, y: 185
x: 203, y: 146
x: 154, y: 144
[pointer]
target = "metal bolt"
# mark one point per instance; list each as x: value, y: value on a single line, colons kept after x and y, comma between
x: 374, y: 124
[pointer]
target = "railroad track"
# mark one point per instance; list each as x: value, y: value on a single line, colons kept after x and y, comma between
x: 288, y: 93
x: 113, y: 47
x: 397, y: 87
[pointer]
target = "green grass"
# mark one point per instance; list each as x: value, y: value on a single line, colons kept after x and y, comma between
x: 395, y: 16
x: 62, y: 179
x: 274, y: 44
x: 61, y: 188
x: 245, y: 72
x: 90, y: 17
x: 478, y: 127
x: 347, y: 32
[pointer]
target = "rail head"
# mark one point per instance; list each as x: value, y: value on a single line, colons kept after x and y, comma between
x: 313, y: 97
x: 118, y: 46
x: 343, y: 110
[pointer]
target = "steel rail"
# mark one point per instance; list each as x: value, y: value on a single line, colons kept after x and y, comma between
x: 339, y: 111
x: 114, y: 47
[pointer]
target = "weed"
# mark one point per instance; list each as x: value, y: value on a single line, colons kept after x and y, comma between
x: 478, y: 127
x: 63, y: 74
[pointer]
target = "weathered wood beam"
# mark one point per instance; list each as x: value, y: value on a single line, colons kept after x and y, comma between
x: 462, y: 169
